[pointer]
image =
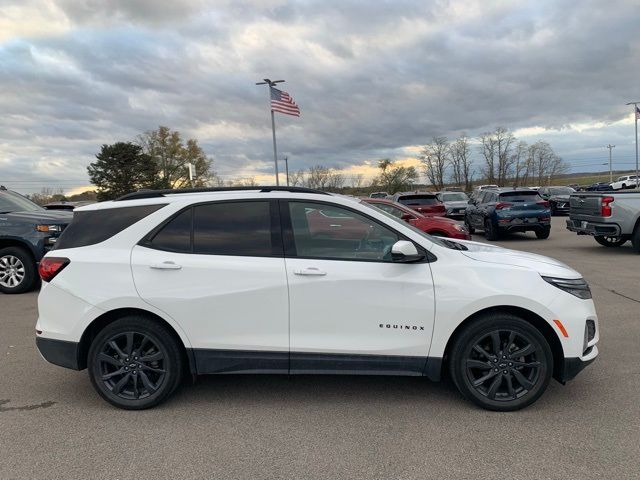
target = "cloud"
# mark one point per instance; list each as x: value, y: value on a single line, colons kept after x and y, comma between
x: 373, y: 79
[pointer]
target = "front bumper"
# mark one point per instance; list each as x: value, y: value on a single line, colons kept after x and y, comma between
x: 572, y: 366
x: 586, y: 227
x: 59, y: 352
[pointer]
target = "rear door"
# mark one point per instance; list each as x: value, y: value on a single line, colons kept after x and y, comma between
x: 218, y: 270
x: 352, y: 309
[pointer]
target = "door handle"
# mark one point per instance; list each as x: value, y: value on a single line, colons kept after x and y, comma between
x: 165, y: 266
x: 311, y: 271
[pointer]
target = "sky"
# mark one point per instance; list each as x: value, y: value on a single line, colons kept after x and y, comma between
x: 374, y: 79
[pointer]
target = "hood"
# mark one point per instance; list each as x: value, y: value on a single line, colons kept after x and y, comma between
x: 456, y: 204
x: 42, y: 216
x: 547, y: 266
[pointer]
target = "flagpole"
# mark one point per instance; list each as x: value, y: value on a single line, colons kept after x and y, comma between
x: 635, y: 116
x: 271, y: 84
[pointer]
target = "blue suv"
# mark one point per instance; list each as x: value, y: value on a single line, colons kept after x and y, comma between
x: 508, y: 210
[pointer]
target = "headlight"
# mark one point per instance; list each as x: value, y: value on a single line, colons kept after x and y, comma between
x: 48, y: 228
x: 460, y: 228
x: 577, y: 287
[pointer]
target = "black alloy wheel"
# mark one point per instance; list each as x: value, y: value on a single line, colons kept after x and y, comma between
x: 543, y: 233
x: 613, y: 242
x: 135, y: 363
x: 501, y: 363
x: 490, y: 230
x: 469, y: 226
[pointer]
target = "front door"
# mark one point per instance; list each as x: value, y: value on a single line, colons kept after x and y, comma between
x: 218, y: 270
x: 352, y: 309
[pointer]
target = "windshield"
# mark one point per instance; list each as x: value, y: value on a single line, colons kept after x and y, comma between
x: 14, y: 202
x: 561, y: 191
x: 443, y: 242
x: 454, y: 197
x: 418, y: 200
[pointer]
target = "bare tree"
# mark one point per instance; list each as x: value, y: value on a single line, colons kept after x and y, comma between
x: 496, y: 149
x: 357, y: 181
x: 545, y: 163
x: 324, y: 178
x: 244, y: 182
x: 520, y: 164
x: 460, y: 160
x: 296, y: 179
x: 394, y: 178
x: 435, y: 159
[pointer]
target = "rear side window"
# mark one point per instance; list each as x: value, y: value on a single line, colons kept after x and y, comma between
x: 175, y: 236
x: 95, y: 226
x: 233, y: 228
x: 531, y: 196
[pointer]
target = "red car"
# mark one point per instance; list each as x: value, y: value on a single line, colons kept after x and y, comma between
x: 425, y: 203
x: 437, y: 226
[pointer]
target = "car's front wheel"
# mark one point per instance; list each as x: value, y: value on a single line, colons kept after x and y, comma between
x: 469, y: 226
x: 135, y: 363
x: 17, y: 270
x: 543, y: 233
x: 501, y: 362
x: 490, y: 230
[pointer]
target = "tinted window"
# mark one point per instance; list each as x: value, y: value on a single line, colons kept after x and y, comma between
x: 454, y: 197
x: 95, y: 226
x: 395, y: 211
x: 523, y: 196
x: 14, y: 202
x: 326, y: 231
x: 418, y: 200
x: 175, y: 236
x: 560, y: 191
x: 237, y: 228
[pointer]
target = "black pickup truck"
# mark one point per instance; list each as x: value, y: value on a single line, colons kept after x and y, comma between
x: 27, y: 232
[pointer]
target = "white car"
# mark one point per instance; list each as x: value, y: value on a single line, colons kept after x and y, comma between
x: 626, y: 181
x: 159, y: 284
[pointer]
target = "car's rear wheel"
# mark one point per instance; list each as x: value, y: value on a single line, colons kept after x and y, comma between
x: 135, y: 363
x: 543, y: 233
x: 17, y: 270
x: 501, y: 362
x: 490, y: 230
x: 606, y: 241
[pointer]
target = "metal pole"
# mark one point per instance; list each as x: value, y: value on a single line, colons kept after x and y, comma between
x: 610, y: 147
x: 635, y: 115
x: 286, y: 166
x: 270, y: 84
x: 275, y: 150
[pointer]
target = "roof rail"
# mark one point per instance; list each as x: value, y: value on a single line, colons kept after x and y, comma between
x: 161, y: 193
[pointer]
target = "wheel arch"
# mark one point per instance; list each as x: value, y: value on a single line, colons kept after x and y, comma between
x: 19, y: 243
x: 100, y: 322
x: 531, y: 317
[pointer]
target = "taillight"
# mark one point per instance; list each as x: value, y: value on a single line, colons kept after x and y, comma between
x: 544, y: 203
x: 605, y: 207
x: 501, y: 205
x: 51, y: 266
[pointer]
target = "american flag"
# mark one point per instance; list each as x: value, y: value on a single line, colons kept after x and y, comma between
x: 637, y: 112
x: 283, y: 103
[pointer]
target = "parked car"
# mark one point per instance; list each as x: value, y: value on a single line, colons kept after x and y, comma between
x: 509, y: 210
x: 599, y: 187
x: 379, y: 195
x: 436, y: 226
x: 27, y: 232
x: 626, y: 181
x: 611, y: 218
x: 455, y: 203
x: 69, y: 206
x: 156, y: 285
x: 425, y: 203
x: 558, y: 198
x: 480, y: 188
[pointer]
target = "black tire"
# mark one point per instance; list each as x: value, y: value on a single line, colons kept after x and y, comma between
x: 504, y: 373
x: 611, y: 242
x: 543, y: 233
x: 17, y: 265
x: 490, y: 230
x: 635, y: 239
x: 140, y: 383
x: 468, y: 225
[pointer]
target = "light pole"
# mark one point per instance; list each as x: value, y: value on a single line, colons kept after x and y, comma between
x: 272, y: 83
x: 610, y: 147
x: 635, y: 115
x: 286, y: 168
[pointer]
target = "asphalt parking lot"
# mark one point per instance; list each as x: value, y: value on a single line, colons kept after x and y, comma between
x: 53, y: 425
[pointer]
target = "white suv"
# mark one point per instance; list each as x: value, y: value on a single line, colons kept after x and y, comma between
x: 627, y: 181
x: 159, y: 284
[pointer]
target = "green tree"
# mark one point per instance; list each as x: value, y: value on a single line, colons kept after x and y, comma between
x: 121, y: 168
x: 395, y: 178
x: 172, y: 157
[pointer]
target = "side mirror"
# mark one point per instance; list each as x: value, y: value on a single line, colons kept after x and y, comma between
x: 405, y: 252
x: 407, y: 216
